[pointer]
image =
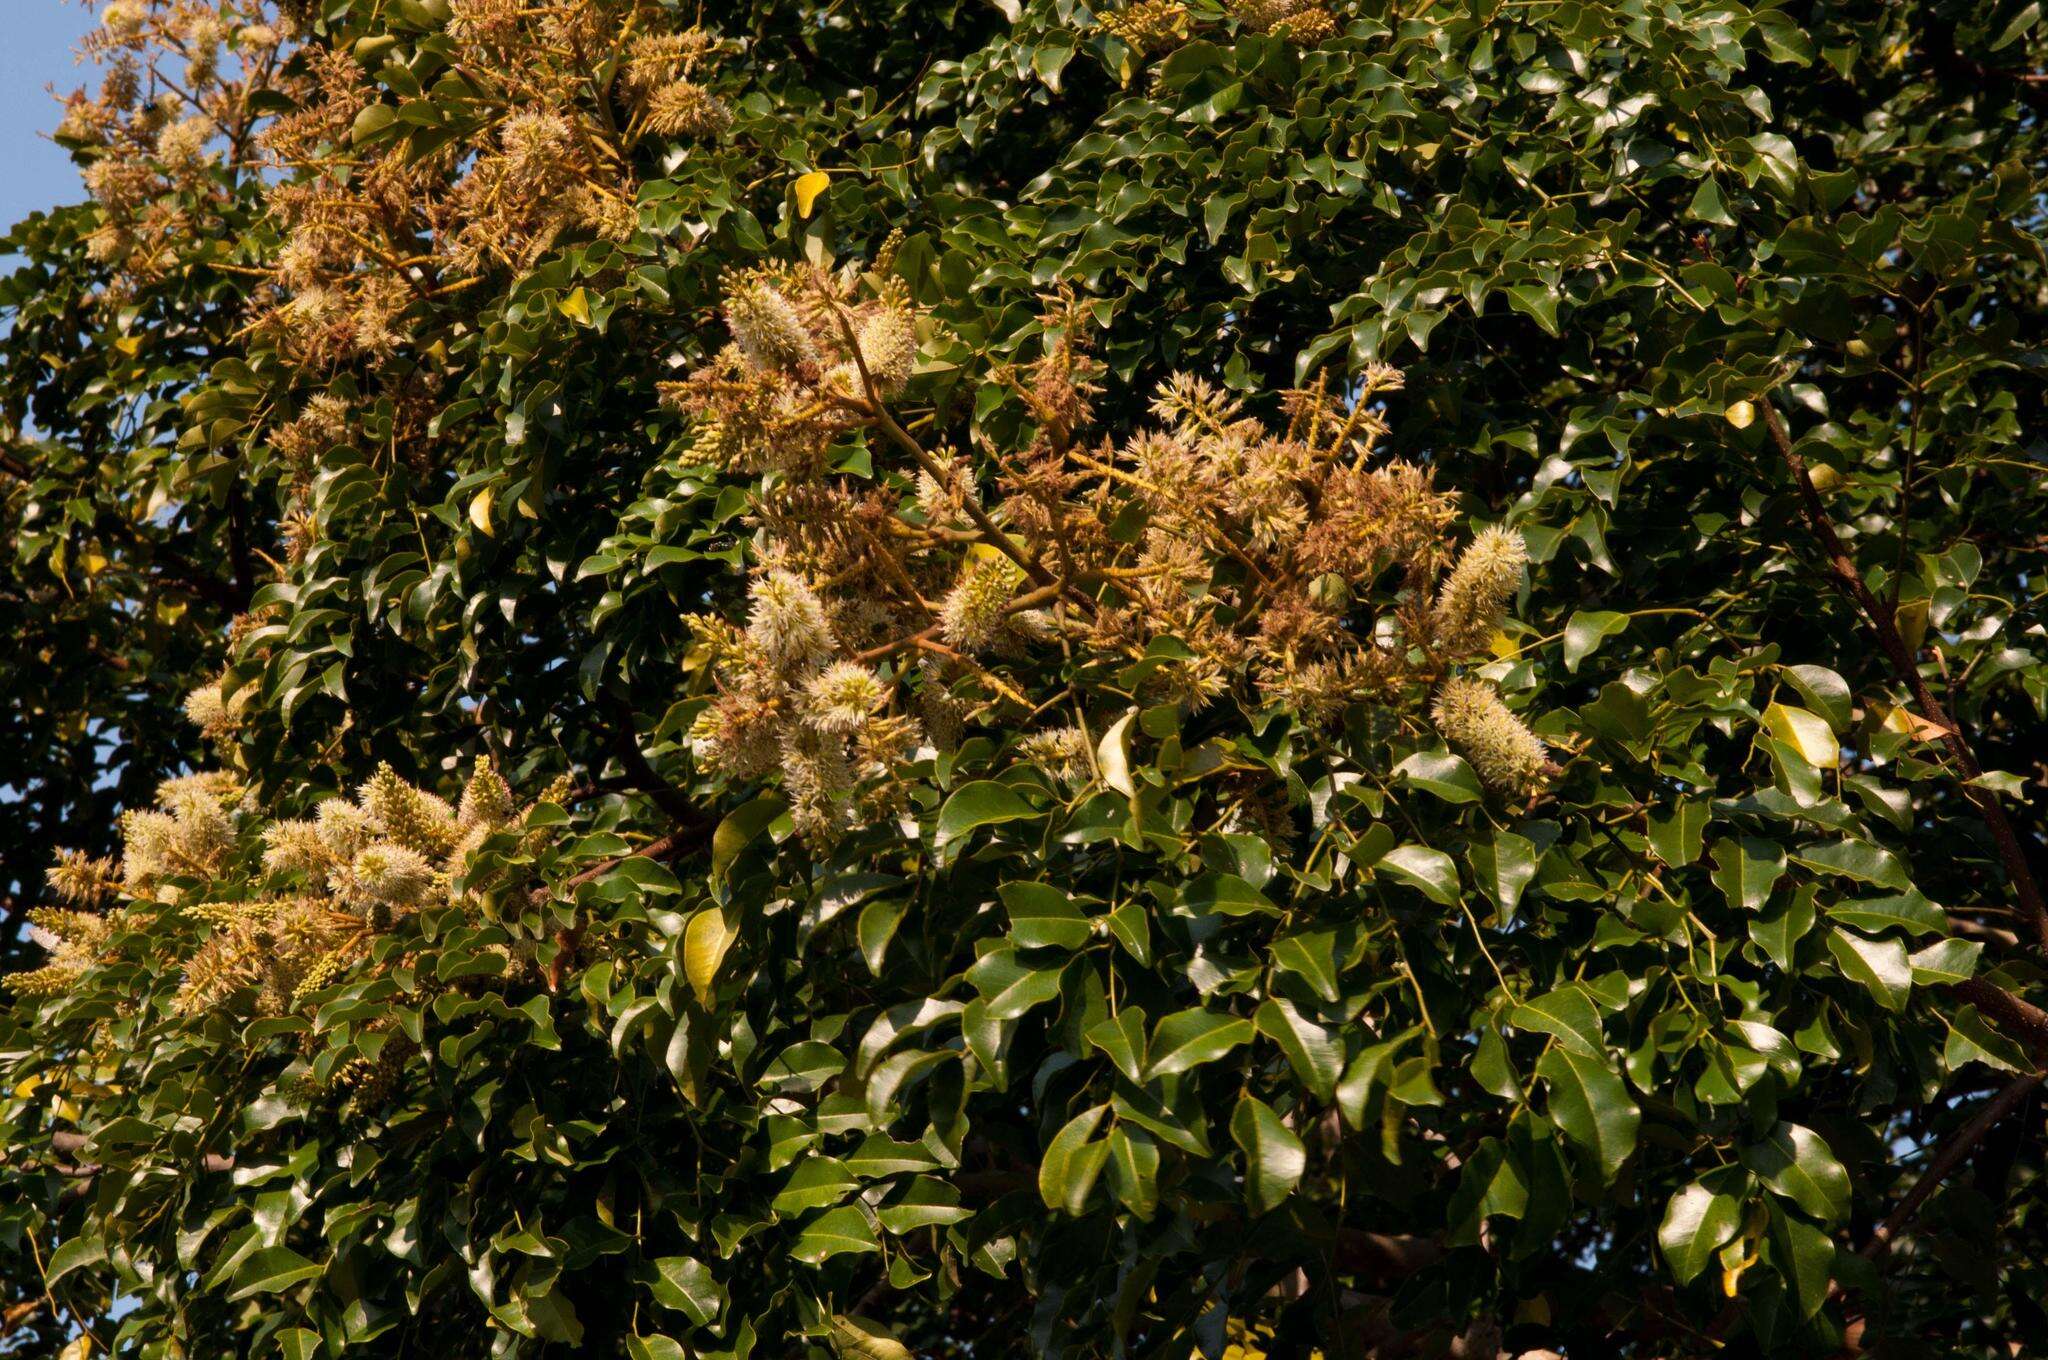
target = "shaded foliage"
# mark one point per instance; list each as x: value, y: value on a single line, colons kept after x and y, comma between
x: 1175, y: 1001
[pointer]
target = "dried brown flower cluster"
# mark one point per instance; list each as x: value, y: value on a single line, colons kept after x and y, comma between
x: 176, y: 101
x: 1305, y: 22
x: 1157, y: 25
x: 327, y: 887
x: 1239, y: 557
x: 376, y: 228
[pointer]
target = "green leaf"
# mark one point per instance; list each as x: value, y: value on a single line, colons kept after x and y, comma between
x: 74, y: 1253
x: 738, y: 830
x: 1568, y: 1013
x: 877, y: 928
x: 1490, y: 1183
x: 817, y: 1183
x: 1778, y: 929
x: 1805, y: 1256
x: 1441, y: 773
x: 1797, y: 1163
x: 1945, y: 961
x: 1746, y: 870
x: 1503, y: 867
x: 1677, y: 836
x: 1274, y: 1157
x: 1041, y: 916
x: 981, y: 803
x: 687, y: 1286
x: 1225, y: 895
x: 1132, y: 928
x: 1971, y: 1038
x: 1707, y: 205
x: 1010, y: 986
x: 924, y: 1202
x: 1908, y: 911
x: 1824, y: 691
x: 270, y: 1271
x: 1591, y: 1106
x: 1315, y: 1053
x: 1880, y: 965
x: 1858, y: 860
x: 1122, y: 1040
x: 1430, y: 870
x: 1072, y: 1162
x: 1310, y: 955
x: 1697, y: 1223
x: 1187, y: 1039
x: 299, y: 1343
x: 837, y: 1232
x: 1134, y: 1169
x: 655, y: 1348
x: 1585, y: 631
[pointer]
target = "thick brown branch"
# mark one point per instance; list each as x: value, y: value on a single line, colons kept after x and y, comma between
x: 2027, y: 1022
x: 1952, y: 1155
x: 1884, y: 624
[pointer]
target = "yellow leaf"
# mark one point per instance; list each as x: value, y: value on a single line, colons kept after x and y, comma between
x: 1502, y: 645
x: 857, y: 1338
x: 1913, y: 725
x: 1805, y: 732
x: 480, y: 512
x: 808, y: 187
x: 705, y: 942
x: 1741, y: 414
x: 576, y: 307
x: 1111, y: 754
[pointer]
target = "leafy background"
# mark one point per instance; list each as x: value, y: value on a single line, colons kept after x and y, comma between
x: 1653, y: 1064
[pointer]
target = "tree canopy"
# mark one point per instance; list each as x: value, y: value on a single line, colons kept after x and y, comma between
x: 970, y: 678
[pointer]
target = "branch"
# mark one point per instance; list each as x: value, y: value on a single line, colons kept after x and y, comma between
x: 1884, y: 623
x: 2028, y: 1021
x: 68, y: 1143
x: 1952, y: 1155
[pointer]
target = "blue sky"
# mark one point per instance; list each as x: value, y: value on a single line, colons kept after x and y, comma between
x: 36, y: 38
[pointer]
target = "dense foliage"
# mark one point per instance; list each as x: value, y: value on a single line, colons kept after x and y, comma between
x: 937, y: 678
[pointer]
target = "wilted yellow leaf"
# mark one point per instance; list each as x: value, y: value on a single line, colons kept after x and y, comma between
x: 480, y: 512
x: 576, y: 307
x: 1913, y: 725
x: 808, y: 187
x: 1111, y: 754
x: 1742, y: 414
